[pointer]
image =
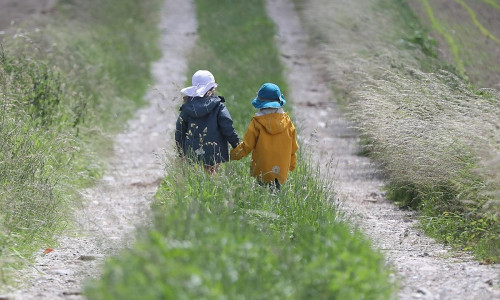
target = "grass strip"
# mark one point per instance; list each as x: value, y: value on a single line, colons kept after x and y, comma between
x: 454, y: 49
x: 223, y: 235
x: 492, y: 3
x: 480, y: 26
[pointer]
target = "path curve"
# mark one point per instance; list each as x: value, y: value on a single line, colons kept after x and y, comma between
x: 425, y: 269
x: 120, y: 201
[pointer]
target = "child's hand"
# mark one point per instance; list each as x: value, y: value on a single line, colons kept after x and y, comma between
x: 234, y: 154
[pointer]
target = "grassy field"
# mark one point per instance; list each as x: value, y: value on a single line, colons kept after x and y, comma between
x: 434, y: 133
x: 68, y: 81
x: 223, y: 236
x: 468, y: 33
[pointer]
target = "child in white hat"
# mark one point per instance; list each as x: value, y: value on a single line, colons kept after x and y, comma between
x: 204, y: 126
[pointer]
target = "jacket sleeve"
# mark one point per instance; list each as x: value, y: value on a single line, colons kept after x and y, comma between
x: 180, y: 133
x: 295, y: 148
x: 248, y: 144
x: 226, y: 126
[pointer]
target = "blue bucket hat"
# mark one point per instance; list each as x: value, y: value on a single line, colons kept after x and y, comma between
x: 269, y: 95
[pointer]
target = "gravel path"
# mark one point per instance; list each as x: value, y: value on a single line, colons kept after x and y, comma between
x: 112, y: 209
x: 424, y: 268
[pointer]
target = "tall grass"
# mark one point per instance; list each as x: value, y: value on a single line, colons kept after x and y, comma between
x: 67, y: 82
x: 223, y: 235
x: 435, y: 135
x: 34, y: 153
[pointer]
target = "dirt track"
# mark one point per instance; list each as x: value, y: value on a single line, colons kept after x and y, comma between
x: 427, y: 270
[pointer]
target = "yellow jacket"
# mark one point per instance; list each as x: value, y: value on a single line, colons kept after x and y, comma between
x: 273, y: 141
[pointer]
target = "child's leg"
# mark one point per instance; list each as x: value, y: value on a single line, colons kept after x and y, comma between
x: 277, y: 184
x: 212, y: 169
x: 273, y: 185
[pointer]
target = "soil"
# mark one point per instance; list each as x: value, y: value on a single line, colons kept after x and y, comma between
x: 120, y: 201
x: 12, y: 12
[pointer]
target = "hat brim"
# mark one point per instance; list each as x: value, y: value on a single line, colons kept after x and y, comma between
x: 268, y: 104
x: 198, y: 90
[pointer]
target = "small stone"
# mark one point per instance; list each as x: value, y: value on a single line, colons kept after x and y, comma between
x: 72, y: 293
x: 61, y: 272
x: 86, y: 257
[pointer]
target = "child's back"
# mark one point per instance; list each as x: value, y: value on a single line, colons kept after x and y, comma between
x: 204, y: 127
x: 270, y: 137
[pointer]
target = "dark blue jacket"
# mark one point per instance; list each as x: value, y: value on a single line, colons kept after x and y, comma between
x: 203, y: 129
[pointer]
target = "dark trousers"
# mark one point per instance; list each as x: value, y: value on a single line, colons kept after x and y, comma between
x: 273, y: 185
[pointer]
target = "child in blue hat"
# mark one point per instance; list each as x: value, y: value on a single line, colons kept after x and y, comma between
x: 271, y: 138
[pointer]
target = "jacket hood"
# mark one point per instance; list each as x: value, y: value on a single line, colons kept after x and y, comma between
x: 274, y: 123
x: 199, y: 107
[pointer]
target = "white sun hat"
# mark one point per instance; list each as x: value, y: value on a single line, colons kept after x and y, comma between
x: 202, y: 82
